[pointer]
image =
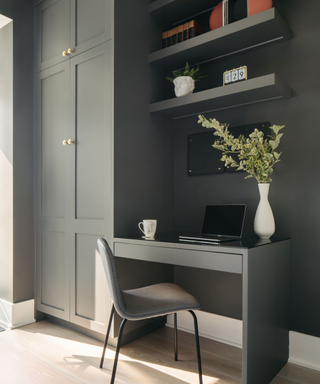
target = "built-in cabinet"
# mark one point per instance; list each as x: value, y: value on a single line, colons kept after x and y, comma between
x: 74, y: 164
x: 65, y: 28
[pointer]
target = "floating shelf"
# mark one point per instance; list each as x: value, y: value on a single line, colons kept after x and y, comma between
x: 262, y: 29
x: 260, y: 89
x: 173, y: 11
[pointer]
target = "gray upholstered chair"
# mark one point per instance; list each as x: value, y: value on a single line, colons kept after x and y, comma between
x: 144, y: 303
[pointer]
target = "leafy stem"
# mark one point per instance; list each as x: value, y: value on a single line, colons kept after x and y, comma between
x: 256, y: 154
x: 193, y: 72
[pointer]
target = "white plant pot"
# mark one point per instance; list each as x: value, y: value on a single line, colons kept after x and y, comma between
x: 264, y: 225
x: 183, y: 85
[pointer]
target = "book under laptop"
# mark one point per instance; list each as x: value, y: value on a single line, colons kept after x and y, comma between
x: 221, y: 223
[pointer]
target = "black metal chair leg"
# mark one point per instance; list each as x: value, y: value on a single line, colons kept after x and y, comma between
x: 117, y: 350
x: 196, y: 333
x: 175, y: 337
x: 107, y: 337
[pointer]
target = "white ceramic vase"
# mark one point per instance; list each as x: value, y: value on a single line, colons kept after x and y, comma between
x: 183, y: 85
x: 264, y: 225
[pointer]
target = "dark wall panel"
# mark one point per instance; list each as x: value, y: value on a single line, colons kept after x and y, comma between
x: 218, y: 292
x: 294, y: 189
x: 143, y: 143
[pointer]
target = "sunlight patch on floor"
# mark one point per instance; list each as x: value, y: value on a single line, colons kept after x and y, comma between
x: 86, y: 360
x: 183, y: 376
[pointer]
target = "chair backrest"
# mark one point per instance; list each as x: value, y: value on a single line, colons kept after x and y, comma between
x: 112, y: 276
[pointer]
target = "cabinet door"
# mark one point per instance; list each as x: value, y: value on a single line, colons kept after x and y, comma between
x: 52, y: 190
x: 52, y: 31
x: 91, y: 207
x: 91, y: 23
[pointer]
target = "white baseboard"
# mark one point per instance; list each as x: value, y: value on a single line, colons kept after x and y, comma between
x: 13, y: 315
x: 211, y: 326
x: 304, y: 350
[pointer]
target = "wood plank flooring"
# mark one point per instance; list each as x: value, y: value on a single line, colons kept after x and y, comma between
x: 45, y: 353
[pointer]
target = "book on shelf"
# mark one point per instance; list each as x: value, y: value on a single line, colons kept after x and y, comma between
x: 185, y: 31
x: 194, y: 29
x: 169, y: 38
x: 174, y: 36
x: 181, y: 33
x: 164, y: 39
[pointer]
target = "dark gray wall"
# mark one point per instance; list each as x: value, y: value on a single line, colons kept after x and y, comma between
x: 21, y: 13
x: 295, y: 187
x: 143, y: 143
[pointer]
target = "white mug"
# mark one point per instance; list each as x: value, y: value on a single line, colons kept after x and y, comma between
x: 149, y: 227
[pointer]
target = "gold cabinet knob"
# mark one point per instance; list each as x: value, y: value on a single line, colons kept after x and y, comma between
x: 64, y: 53
x: 64, y: 142
x: 70, y: 50
x: 70, y: 141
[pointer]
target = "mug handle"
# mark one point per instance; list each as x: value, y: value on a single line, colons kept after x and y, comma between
x: 139, y: 225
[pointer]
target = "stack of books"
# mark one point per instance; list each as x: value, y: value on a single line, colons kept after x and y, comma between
x: 183, y: 32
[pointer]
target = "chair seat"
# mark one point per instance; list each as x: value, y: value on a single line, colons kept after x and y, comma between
x: 157, y: 300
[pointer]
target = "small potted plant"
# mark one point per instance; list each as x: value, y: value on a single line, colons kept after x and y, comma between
x: 257, y: 156
x: 184, y: 80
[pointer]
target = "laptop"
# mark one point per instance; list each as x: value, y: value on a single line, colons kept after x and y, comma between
x: 221, y: 223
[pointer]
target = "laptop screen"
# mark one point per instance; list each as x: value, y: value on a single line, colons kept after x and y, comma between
x: 224, y: 220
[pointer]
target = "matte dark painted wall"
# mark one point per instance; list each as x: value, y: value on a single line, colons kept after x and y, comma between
x: 22, y: 156
x: 295, y: 187
x: 143, y: 149
x: 146, y: 177
x: 143, y: 144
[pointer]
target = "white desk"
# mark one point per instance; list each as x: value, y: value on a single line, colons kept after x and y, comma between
x: 265, y: 270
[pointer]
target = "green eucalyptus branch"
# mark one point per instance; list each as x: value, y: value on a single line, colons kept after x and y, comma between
x: 257, y: 155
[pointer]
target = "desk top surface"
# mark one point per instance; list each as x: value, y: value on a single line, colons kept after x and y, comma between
x: 246, y: 242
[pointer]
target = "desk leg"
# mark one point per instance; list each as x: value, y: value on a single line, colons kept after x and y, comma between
x: 266, y: 290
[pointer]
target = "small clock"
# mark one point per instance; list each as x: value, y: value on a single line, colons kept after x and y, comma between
x: 234, y: 75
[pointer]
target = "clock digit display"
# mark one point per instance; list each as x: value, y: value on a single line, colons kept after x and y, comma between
x: 242, y: 73
x: 234, y: 75
x: 227, y: 77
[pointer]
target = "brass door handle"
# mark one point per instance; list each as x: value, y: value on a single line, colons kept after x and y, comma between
x: 65, y: 142
x: 65, y: 53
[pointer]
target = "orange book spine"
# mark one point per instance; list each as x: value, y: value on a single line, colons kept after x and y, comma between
x: 185, y: 31
x: 174, y: 36
x: 169, y: 40
x: 194, y: 29
x: 164, y: 39
x: 180, y: 33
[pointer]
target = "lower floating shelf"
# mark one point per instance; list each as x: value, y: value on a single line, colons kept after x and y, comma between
x: 252, y: 91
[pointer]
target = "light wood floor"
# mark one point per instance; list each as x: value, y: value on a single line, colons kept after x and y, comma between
x: 45, y: 353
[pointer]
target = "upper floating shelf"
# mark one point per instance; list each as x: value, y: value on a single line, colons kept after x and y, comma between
x: 173, y: 11
x: 260, y: 89
x: 252, y: 32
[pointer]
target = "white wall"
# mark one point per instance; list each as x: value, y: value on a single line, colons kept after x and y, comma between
x: 6, y: 168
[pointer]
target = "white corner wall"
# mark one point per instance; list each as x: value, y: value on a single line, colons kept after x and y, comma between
x: 304, y: 350
x: 6, y: 167
x: 16, y: 315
